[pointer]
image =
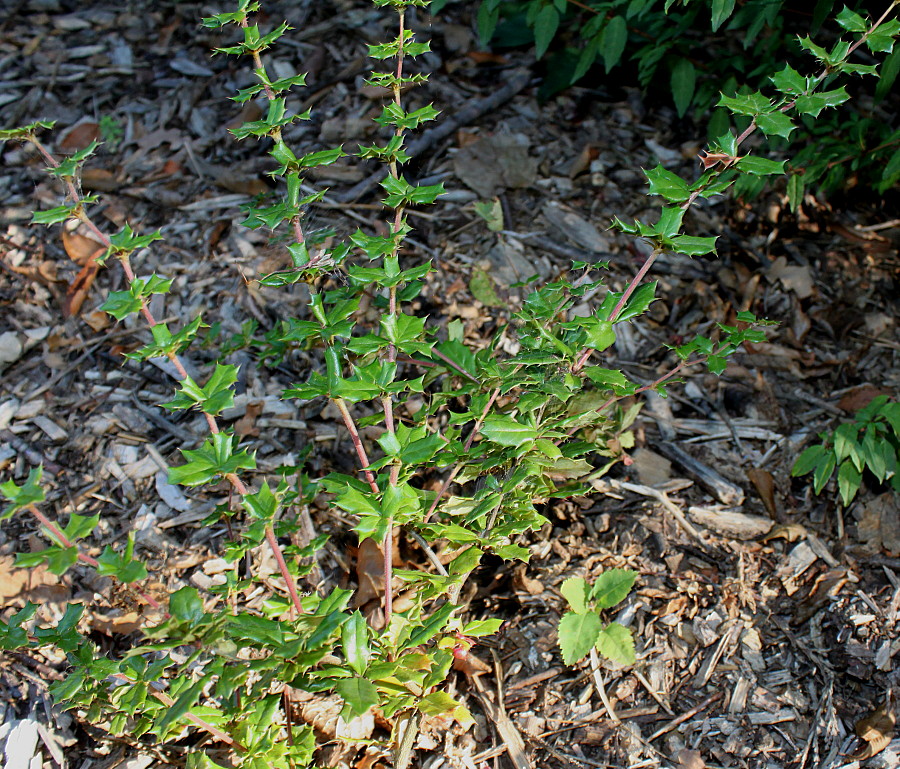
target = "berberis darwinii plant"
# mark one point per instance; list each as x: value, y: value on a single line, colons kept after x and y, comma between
x: 507, y: 432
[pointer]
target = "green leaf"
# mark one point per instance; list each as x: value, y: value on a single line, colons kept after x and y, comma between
x: 577, y: 592
x: 616, y: 643
x: 721, y: 10
x: 185, y: 605
x: 692, y: 245
x: 577, y: 634
x: 789, y: 81
x: 507, y: 431
x: 760, y: 166
x: 795, y: 187
x: 613, y: 40
x: 638, y: 302
x: 545, y: 25
x: 823, y: 471
x: 775, y: 124
x: 684, y: 80
x: 183, y: 703
x: 22, y: 496
x: 612, y: 587
x: 481, y: 627
x: 355, y: 642
x: 851, y: 21
x: 814, y: 103
x: 848, y: 481
x: 670, y: 186
x: 808, y: 460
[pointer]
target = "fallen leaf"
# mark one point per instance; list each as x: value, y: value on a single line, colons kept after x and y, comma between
x: 246, y: 425
x: 876, y: 730
x: 787, y: 531
x: 369, y: 573
x: 79, y: 248
x: 689, y: 759
x: 879, y: 523
x: 860, y: 397
x: 123, y: 625
x: 482, y: 288
x: 765, y: 487
x: 78, y: 290
x: 796, y: 278
x: 99, y: 180
x: 79, y: 136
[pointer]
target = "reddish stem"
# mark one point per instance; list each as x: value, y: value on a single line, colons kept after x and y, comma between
x: 179, y: 368
x: 83, y: 557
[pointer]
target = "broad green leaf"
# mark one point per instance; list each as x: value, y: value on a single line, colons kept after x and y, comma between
x: 355, y: 642
x: 482, y: 627
x: 691, y: 245
x: 822, y: 472
x: 684, y: 80
x: 670, y: 186
x: 760, y: 166
x: 577, y: 592
x: 721, y: 10
x: 185, y: 605
x: 507, y: 431
x: 613, y: 40
x: 808, y: 460
x: 22, y: 496
x: 789, y: 81
x: 577, y: 634
x: 851, y: 21
x: 545, y: 25
x: 612, y: 587
x: 359, y: 696
x: 775, y: 124
x: 848, y: 481
x: 183, y: 703
x: 616, y: 643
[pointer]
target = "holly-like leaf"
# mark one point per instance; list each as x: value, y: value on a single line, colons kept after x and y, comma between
x: 507, y: 431
x: 359, y: 696
x: 22, y: 496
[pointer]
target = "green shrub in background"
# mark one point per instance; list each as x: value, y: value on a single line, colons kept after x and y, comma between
x: 870, y: 442
x: 507, y: 433
x: 701, y: 49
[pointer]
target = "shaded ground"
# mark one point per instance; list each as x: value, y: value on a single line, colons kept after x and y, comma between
x: 765, y: 621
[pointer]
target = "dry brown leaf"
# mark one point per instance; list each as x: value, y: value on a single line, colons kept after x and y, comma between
x: 788, y: 531
x: 876, y: 730
x: 123, y: 625
x: 78, y: 290
x: 78, y: 137
x: 99, y: 180
x: 879, y: 523
x: 765, y: 487
x: 689, y: 759
x: 246, y: 425
x: 80, y: 248
x: 369, y: 573
x: 36, y: 584
x: 860, y: 397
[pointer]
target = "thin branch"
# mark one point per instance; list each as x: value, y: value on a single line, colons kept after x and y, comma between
x: 83, y: 557
x: 239, y: 485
